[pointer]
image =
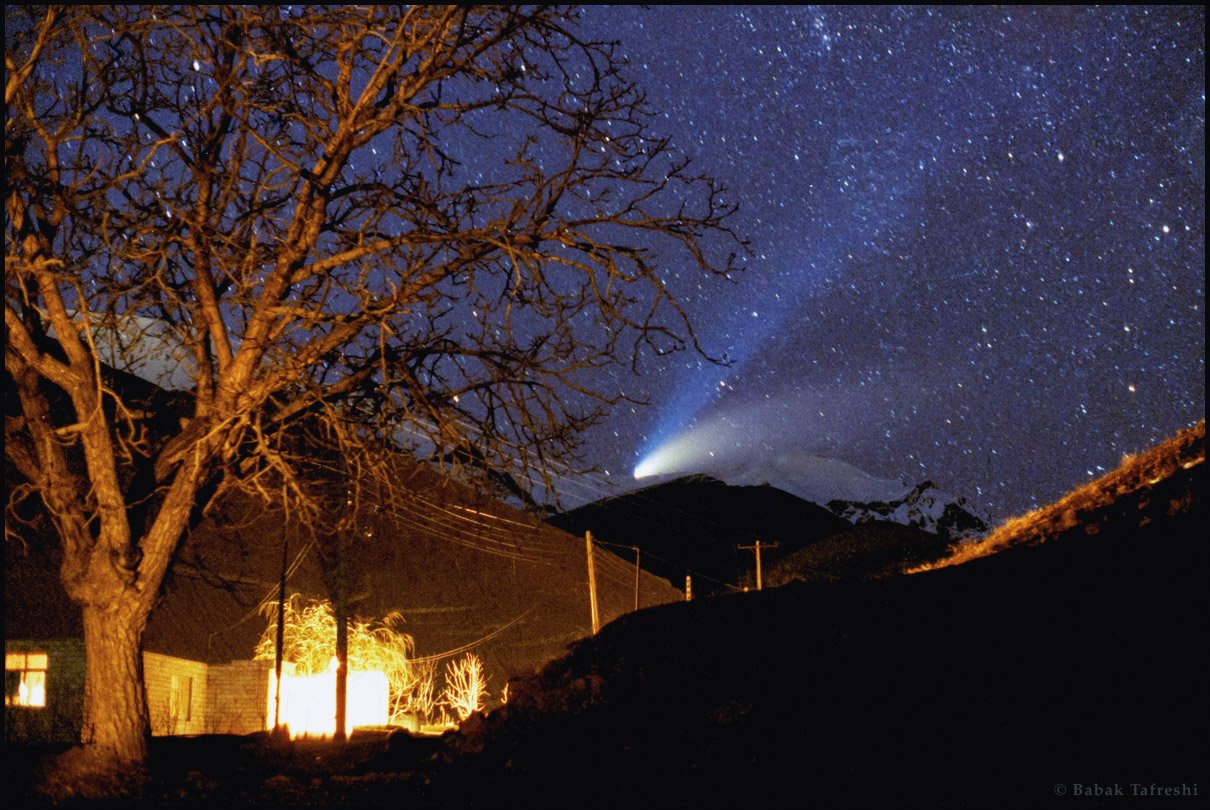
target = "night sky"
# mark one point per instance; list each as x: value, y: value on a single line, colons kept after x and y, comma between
x: 978, y: 239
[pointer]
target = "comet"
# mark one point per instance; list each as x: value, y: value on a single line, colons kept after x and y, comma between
x: 699, y: 448
x: 748, y: 434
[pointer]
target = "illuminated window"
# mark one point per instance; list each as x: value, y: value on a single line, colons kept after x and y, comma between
x: 25, y: 679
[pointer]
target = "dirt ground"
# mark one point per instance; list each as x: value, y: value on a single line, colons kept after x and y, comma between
x: 225, y: 770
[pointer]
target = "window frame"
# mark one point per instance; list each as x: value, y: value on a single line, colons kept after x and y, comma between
x: 31, y: 675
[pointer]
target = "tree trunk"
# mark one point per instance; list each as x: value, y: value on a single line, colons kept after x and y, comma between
x: 279, y: 649
x: 116, y: 723
x: 342, y: 668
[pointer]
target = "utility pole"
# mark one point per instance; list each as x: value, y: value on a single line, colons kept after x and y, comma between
x: 281, y: 629
x: 757, y: 547
x: 341, y: 609
x: 636, y: 577
x: 592, y: 585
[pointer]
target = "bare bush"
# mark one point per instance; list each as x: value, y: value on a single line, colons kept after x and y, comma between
x: 422, y: 699
x: 465, y: 686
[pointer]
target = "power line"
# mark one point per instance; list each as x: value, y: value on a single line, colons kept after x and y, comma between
x: 466, y: 647
x: 676, y: 564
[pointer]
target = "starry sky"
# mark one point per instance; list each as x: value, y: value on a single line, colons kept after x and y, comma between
x: 978, y: 239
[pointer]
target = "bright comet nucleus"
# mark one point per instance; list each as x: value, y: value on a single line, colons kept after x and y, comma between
x: 668, y: 457
x: 648, y: 467
x: 745, y: 434
x: 691, y: 451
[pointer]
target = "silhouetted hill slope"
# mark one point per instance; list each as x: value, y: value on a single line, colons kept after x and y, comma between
x: 694, y: 524
x: 870, y: 550
x: 1108, y: 499
x: 1077, y: 660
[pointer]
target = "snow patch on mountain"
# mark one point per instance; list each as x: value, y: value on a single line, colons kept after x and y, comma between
x: 924, y: 506
x: 812, y: 478
x: 855, y: 495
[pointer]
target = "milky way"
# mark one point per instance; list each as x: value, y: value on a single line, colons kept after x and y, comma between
x: 978, y: 238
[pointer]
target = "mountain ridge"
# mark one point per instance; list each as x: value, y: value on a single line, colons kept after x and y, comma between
x: 922, y: 507
x: 697, y: 526
x: 1071, y: 653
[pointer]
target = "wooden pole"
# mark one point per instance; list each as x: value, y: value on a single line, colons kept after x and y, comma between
x: 757, y: 547
x: 281, y: 628
x: 688, y: 588
x: 636, y: 577
x: 342, y: 669
x: 592, y: 584
x: 340, y: 607
x: 758, y: 582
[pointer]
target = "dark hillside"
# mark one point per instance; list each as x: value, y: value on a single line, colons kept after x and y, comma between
x: 869, y: 550
x: 1123, y: 496
x: 694, y: 524
x: 1077, y: 660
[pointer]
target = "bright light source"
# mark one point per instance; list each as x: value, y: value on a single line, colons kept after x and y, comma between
x: 32, y: 690
x: 646, y: 467
x: 308, y: 702
x: 27, y: 672
x: 374, y: 646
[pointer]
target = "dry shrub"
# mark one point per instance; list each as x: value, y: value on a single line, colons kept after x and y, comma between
x: 422, y: 700
x: 375, y: 645
x: 465, y: 686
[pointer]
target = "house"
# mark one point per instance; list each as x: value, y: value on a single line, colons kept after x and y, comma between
x: 466, y: 571
x: 44, y: 663
x: 44, y: 692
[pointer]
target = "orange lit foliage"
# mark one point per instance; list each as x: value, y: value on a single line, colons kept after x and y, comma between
x: 374, y: 646
x: 465, y: 686
x: 422, y: 700
x: 308, y: 702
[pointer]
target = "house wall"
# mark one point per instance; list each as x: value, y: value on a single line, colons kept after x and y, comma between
x: 228, y: 698
x: 237, y: 701
x: 176, y: 694
x: 61, y: 718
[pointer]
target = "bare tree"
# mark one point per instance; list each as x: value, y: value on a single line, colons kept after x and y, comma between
x: 423, y: 227
x: 465, y: 686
